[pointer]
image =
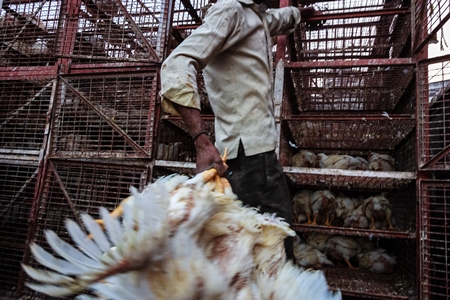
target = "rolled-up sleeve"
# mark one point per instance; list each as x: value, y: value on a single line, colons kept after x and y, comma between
x: 179, y: 70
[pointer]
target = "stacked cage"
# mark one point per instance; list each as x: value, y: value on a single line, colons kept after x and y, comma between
x: 79, y: 82
x: 349, y: 99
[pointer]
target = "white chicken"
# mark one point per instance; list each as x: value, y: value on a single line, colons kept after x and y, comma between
x: 180, y: 238
x: 378, y: 208
x: 377, y: 261
x: 304, y: 158
x: 307, y: 256
x: 318, y: 240
x: 381, y: 162
x: 344, y: 162
x: 322, y: 201
x: 302, y: 208
x: 344, y: 205
x: 356, y: 218
x: 342, y: 248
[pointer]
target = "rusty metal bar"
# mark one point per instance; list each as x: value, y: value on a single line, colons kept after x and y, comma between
x: 364, y: 14
x: 351, y: 63
x: 27, y: 73
x: 443, y: 153
x: 348, y: 117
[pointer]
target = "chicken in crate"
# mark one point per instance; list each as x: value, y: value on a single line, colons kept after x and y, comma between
x: 180, y: 238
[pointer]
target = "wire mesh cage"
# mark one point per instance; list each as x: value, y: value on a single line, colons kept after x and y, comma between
x: 105, y: 115
x: 389, y: 283
x: 435, y: 239
x: 429, y: 16
x: 434, y: 111
x: 18, y: 184
x: 28, y: 32
x: 353, y: 30
x: 24, y: 109
x: 348, y: 88
x: 72, y: 188
x: 108, y: 30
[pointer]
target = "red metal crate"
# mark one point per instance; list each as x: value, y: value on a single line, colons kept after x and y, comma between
x: 104, y: 115
x: 434, y: 213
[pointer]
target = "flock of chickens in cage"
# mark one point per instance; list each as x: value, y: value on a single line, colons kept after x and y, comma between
x: 374, y: 162
x: 323, y: 207
x: 319, y: 250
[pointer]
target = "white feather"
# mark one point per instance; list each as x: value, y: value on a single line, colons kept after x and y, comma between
x: 84, y: 243
x: 112, y: 225
x: 97, y: 232
x: 56, y: 264
x: 68, y: 252
x: 47, y: 276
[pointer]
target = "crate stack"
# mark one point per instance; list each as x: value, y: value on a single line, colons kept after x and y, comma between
x: 81, y: 122
x: 79, y: 83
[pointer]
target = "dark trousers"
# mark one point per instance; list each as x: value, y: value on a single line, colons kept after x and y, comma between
x: 259, y: 181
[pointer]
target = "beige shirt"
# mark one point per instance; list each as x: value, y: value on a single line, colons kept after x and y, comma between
x: 233, y: 48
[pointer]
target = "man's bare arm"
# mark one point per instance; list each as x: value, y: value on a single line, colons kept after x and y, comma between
x: 207, y: 154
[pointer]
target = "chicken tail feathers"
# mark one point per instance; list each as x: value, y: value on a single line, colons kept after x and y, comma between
x: 126, y: 246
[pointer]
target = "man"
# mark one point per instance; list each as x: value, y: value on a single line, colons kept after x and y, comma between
x: 233, y: 48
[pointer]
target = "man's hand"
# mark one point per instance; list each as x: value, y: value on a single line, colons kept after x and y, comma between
x: 208, y: 156
x: 307, y: 13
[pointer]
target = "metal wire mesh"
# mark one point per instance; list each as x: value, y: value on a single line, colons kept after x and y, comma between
x: 434, y: 122
x: 72, y: 188
x: 435, y: 240
x: 111, y: 30
x: 24, y: 107
x: 105, y: 116
x: 350, y: 88
x: 354, y: 29
x: 341, y: 134
x: 28, y: 32
x: 429, y: 16
x: 17, y: 183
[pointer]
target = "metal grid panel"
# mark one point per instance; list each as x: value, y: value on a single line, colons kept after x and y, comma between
x: 188, y: 12
x: 354, y: 29
x: 111, y: 30
x: 24, y: 107
x: 400, y: 242
x: 28, y: 32
x: 17, y: 183
x: 71, y: 188
x: 434, y: 122
x: 105, y: 116
x: 429, y: 17
x: 341, y: 134
x: 435, y: 239
x: 350, y: 88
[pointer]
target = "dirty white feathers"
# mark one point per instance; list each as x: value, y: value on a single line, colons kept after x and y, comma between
x: 179, y: 238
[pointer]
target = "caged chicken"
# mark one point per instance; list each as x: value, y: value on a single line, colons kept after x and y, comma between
x: 322, y: 202
x: 302, y: 209
x: 378, y: 209
x: 344, y: 162
x: 304, y: 158
x: 381, y: 162
x: 307, y: 256
x: 342, y: 248
x: 343, y: 206
x: 377, y: 261
x: 180, y: 238
x: 356, y: 218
